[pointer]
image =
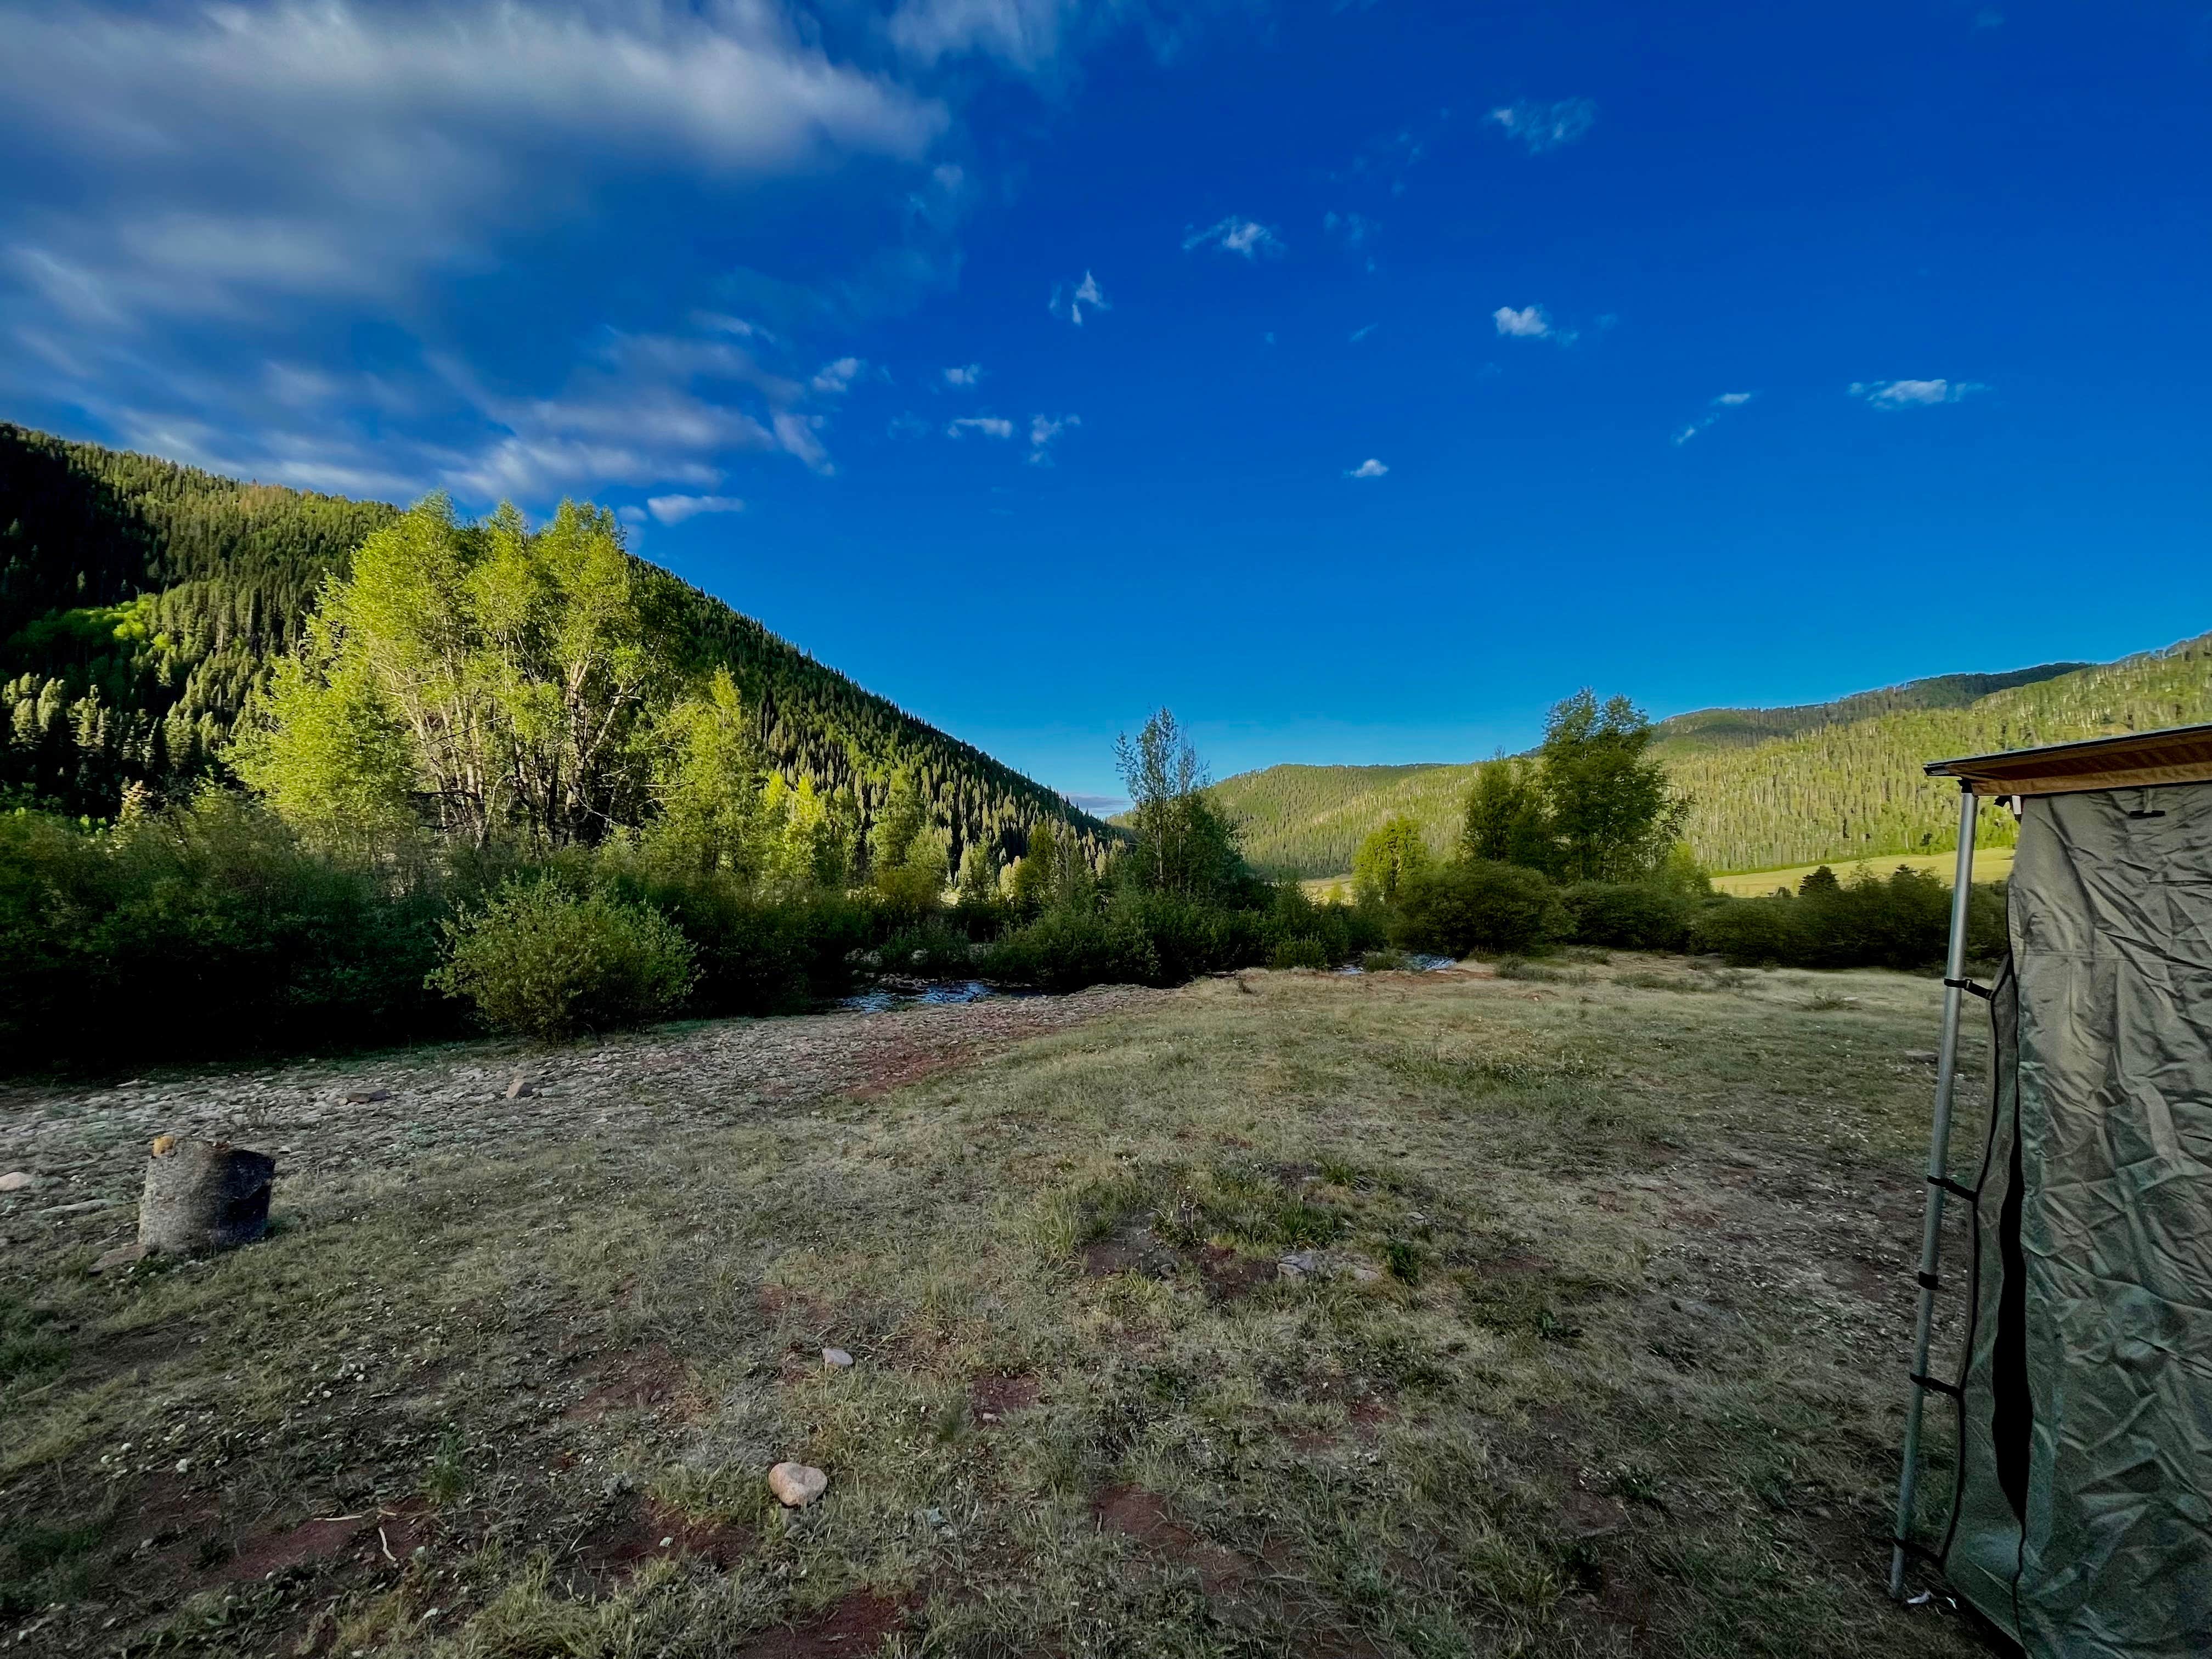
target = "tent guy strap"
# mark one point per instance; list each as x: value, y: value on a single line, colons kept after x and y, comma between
x: 2180, y: 754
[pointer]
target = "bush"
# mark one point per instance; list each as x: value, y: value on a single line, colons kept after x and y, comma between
x: 1299, y: 953
x: 936, y: 950
x: 1476, y: 904
x: 203, y: 929
x: 1066, y: 949
x: 1748, y: 932
x: 1385, y: 962
x: 1628, y: 915
x: 1902, y: 920
x: 539, y: 961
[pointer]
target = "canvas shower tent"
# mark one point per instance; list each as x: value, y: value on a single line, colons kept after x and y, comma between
x: 2080, y: 1515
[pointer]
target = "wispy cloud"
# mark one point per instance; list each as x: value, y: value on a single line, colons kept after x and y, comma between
x: 834, y: 379
x: 1389, y: 158
x: 1247, y: 237
x: 1529, y: 323
x: 1914, y: 394
x: 964, y: 374
x: 1540, y: 127
x: 1355, y: 233
x: 1043, y: 428
x: 1719, y: 406
x: 1361, y: 333
x: 1370, y: 468
x: 674, y: 509
x: 985, y: 426
x: 1069, y: 300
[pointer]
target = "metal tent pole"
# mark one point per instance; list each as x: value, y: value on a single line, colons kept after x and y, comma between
x: 1939, y: 1166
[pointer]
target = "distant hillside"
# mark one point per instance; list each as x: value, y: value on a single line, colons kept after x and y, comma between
x: 1717, y: 728
x: 1771, y: 788
x: 142, y: 601
x: 1309, y: 820
x: 1856, y: 790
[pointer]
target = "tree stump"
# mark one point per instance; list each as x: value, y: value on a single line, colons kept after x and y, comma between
x: 204, y: 1195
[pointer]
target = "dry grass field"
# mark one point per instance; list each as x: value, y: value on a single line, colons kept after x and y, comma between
x: 1293, y: 1314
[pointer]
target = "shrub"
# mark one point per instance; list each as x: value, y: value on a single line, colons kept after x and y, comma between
x: 1385, y: 962
x: 1478, y: 905
x: 936, y: 950
x: 540, y: 962
x: 1748, y: 932
x: 203, y: 928
x: 1299, y: 953
x: 1066, y: 949
x: 1630, y: 915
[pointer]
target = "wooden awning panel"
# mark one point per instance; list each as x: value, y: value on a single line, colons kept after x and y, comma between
x: 2180, y: 754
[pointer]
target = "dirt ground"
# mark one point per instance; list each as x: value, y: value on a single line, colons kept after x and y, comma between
x: 1291, y: 1314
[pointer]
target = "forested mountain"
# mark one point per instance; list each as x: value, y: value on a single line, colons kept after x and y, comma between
x: 1740, y: 728
x: 1856, y: 790
x: 1309, y: 820
x: 1769, y: 787
x: 142, y: 601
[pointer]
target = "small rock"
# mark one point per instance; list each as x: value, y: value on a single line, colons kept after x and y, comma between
x: 1303, y: 1265
x: 837, y: 1358
x: 121, y: 1256
x: 521, y: 1089
x: 164, y: 1145
x: 1921, y: 1056
x: 796, y: 1485
x: 16, y: 1181
x: 368, y: 1096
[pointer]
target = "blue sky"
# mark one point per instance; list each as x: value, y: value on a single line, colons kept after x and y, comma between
x: 1356, y: 378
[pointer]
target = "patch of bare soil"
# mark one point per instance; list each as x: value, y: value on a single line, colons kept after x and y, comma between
x: 1143, y: 1515
x: 857, y: 1625
x: 652, y: 1379
x: 644, y: 1530
x: 1229, y: 1275
x: 991, y: 1399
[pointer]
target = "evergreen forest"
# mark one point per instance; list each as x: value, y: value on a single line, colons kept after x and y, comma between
x: 1767, y: 789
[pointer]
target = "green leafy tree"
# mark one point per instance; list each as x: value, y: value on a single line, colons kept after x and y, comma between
x: 979, y: 876
x: 329, y: 752
x: 1388, y: 857
x: 1610, y: 804
x: 1183, y: 844
x: 905, y: 855
x: 524, y: 667
x: 1507, y: 820
x: 709, y: 785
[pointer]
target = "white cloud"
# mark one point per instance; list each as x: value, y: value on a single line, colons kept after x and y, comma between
x: 1540, y: 127
x: 988, y: 425
x: 1043, y: 428
x: 1529, y: 323
x: 1068, y: 301
x: 337, y: 147
x: 1370, y: 468
x: 1248, y: 237
x: 836, y: 378
x: 964, y: 374
x: 1727, y: 400
x: 1361, y: 333
x: 1025, y: 33
x: 636, y: 515
x: 1913, y: 394
x: 674, y: 509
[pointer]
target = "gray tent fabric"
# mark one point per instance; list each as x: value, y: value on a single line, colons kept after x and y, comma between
x: 2083, y: 1520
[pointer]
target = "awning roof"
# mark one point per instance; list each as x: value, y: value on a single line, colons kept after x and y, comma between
x: 2180, y: 754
